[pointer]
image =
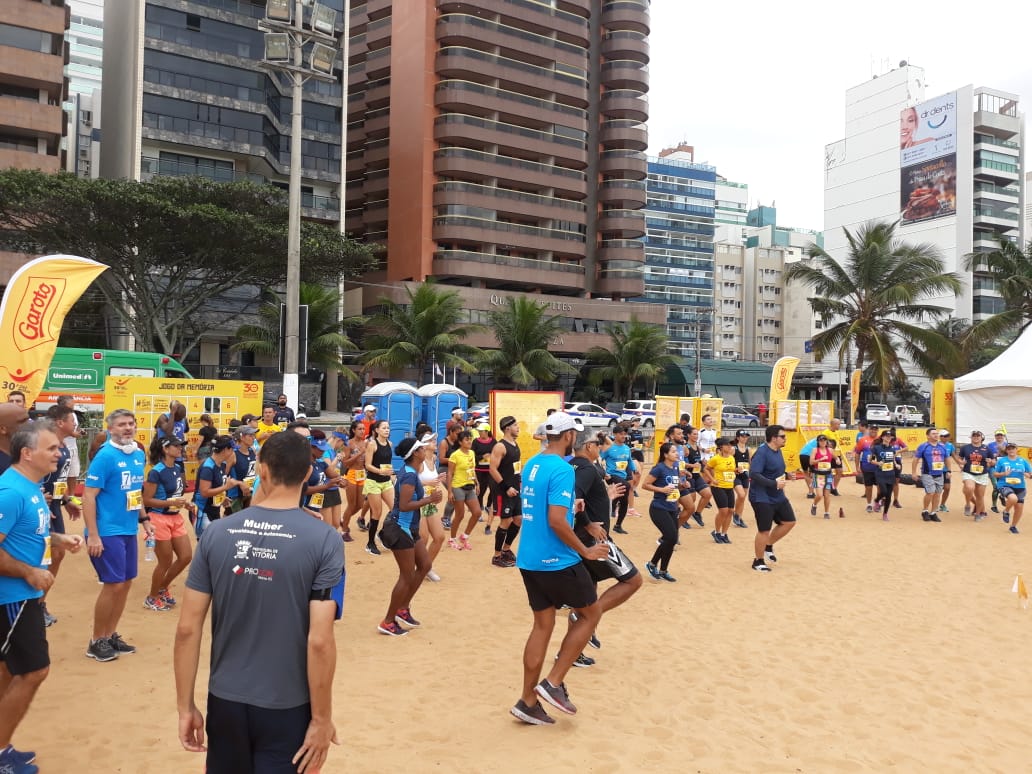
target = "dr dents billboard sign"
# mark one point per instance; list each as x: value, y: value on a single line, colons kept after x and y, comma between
x: 928, y: 159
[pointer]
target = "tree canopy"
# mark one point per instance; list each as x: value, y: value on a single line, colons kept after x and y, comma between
x: 524, y: 332
x: 175, y: 245
x: 637, y: 353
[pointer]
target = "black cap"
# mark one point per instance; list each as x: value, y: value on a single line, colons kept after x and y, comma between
x: 742, y: 434
x: 221, y: 443
x: 171, y: 440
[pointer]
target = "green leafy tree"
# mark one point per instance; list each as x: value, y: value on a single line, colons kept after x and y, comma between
x: 976, y: 344
x: 175, y: 245
x: 429, y: 329
x: 637, y: 353
x: 327, y: 334
x: 874, y: 302
x: 1010, y: 269
x: 524, y: 331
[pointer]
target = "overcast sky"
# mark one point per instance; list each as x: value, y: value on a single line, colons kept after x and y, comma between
x: 759, y: 87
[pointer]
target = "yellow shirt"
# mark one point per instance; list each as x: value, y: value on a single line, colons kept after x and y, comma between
x: 465, y: 463
x: 724, y: 470
x: 264, y: 428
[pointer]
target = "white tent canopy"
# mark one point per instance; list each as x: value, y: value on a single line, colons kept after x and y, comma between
x: 998, y: 395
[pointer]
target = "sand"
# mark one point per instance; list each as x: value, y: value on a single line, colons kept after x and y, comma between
x: 872, y: 647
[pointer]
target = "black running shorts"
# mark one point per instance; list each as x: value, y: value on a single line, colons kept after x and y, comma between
x: 724, y: 498
x: 769, y: 514
x: 507, y: 507
x: 23, y: 637
x: 571, y: 586
x: 395, y: 538
x: 804, y: 462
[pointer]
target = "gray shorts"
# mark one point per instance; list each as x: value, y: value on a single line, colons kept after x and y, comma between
x: 932, y: 484
x: 462, y: 495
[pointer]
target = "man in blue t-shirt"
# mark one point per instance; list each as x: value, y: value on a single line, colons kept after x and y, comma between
x: 767, y: 497
x: 549, y: 559
x: 26, y: 544
x: 112, y: 507
x: 935, y: 462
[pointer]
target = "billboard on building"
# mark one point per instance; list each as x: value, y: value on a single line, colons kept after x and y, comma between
x: 928, y: 159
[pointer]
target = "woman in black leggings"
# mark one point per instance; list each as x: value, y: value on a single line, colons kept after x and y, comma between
x: 662, y: 481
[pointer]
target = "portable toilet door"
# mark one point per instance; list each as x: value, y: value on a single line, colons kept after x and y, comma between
x: 438, y: 402
x: 400, y: 405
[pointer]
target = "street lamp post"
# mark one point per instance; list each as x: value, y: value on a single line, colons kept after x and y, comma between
x: 285, y: 42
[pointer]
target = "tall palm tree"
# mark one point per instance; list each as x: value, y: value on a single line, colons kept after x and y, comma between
x: 427, y: 329
x: 327, y: 334
x: 524, y: 332
x: 1010, y: 268
x: 638, y: 352
x: 873, y: 302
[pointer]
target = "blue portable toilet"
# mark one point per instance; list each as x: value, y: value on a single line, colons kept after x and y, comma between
x: 399, y: 404
x: 438, y: 402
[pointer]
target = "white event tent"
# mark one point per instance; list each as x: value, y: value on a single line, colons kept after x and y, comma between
x: 998, y: 394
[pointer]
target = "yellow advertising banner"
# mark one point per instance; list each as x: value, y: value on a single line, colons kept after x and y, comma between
x: 149, y: 398
x: 32, y: 313
x: 944, y: 410
x: 781, y: 383
x: 530, y: 410
x: 854, y: 395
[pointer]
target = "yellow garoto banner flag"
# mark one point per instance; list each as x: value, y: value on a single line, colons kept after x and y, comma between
x: 854, y: 394
x: 32, y: 312
x: 781, y: 379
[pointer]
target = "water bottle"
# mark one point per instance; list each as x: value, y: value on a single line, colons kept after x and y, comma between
x: 149, y: 545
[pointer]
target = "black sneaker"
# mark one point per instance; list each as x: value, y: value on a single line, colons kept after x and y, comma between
x: 810, y: 495
x: 737, y: 521
x: 101, y: 650
x: 509, y: 556
x: 686, y: 525
x: 584, y: 661
x: 759, y: 566
x: 595, y: 642
x: 535, y: 716
x: 121, y: 647
x: 664, y: 575
x: 372, y: 549
x: 834, y: 492
x: 926, y: 516
x: 724, y: 538
x: 698, y: 519
x: 556, y: 695
x: 716, y: 537
x: 934, y: 517
x: 620, y: 530
x: 362, y: 524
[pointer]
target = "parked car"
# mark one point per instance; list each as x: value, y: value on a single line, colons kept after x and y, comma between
x: 907, y: 415
x: 878, y: 412
x: 645, y: 410
x: 592, y: 415
x: 616, y: 408
x: 478, y: 411
x: 736, y: 416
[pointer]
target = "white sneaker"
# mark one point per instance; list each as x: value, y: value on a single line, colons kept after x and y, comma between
x: 768, y: 556
x: 433, y: 576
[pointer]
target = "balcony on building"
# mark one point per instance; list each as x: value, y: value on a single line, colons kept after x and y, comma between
x: 628, y: 164
x: 625, y: 74
x: 456, y: 29
x: 460, y: 96
x: 503, y: 269
x: 626, y: 15
x: 625, y: 103
x: 619, y: 192
x: 621, y: 250
x: 622, y: 224
x: 625, y: 44
x: 567, y: 83
x: 624, y: 133
x: 506, y: 201
x: 997, y: 113
x: 466, y: 130
x: 465, y: 163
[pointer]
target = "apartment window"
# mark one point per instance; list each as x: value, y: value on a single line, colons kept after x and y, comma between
x: 84, y: 168
x: 193, y: 22
x: 86, y: 117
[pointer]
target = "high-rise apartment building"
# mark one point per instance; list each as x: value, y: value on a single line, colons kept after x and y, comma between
x: 679, y: 248
x: 498, y: 146
x: 32, y: 86
x: 85, y: 38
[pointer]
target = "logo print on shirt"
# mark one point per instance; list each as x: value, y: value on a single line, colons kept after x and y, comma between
x: 242, y: 547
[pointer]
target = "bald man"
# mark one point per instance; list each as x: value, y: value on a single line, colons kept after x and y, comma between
x: 12, y: 416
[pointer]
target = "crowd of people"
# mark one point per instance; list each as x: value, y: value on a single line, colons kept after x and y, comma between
x: 273, y: 502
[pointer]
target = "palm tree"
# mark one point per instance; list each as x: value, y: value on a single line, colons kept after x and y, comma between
x: 428, y: 329
x: 872, y: 302
x: 977, y: 345
x: 1010, y: 268
x: 327, y: 334
x: 524, y: 331
x: 638, y: 352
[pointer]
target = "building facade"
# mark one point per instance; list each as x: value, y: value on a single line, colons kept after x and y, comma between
x: 82, y: 107
x: 498, y: 145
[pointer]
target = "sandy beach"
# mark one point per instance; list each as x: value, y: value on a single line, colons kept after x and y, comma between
x: 872, y: 647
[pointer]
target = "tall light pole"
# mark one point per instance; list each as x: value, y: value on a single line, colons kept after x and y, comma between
x: 285, y: 47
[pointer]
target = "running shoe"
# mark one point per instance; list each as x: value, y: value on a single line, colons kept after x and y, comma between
x: 664, y: 575
x: 759, y: 566
x: 979, y: 517
x: 885, y: 517
x: 10, y: 756
x: 827, y: 515
x: 698, y: 519
x: 724, y: 538
x: 716, y: 537
x: 156, y: 603
x: 926, y: 516
x: 120, y: 646
x: 501, y: 561
x: 556, y: 695
x: 834, y: 492
x: 372, y: 549
x: 583, y: 661
x: 433, y: 577
x: 346, y: 536
x: 101, y: 650
x: 453, y: 543
x: 391, y: 629
x: 895, y: 504
x: 620, y: 530
x: 967, y: 510
x: 446, y: 522
x: 464, y: 542
x: 994, y: 509
x: 1014, y: 530
x: 943, y: 509
x: 813, y: 509
x: 1006, y: 520
x: 842, y: 513
x: 810, y: 495
x: 48, y: 619
x: 595, y: 642
x: 487, y: 529
x: 769, y: 556
x: 633, y: 512
x: 508, y: 555
x: 167, y: 598
x: 935, y: 517
x: 362, y: 524
x: 404, y: 616
x: 737, y: 521
x: 653, y: 570
x: 535, y: 716
x: 870, y: 509
x: 686, y: 525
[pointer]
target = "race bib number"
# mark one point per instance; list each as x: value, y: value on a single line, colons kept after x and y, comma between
x: 682, y: 465
x: 976, y: 469
x: 621, y: 465
x: 249, y: 481
x: 887, y: 466
x: 283, y: 423
x: 743, y: 467
x: 938, y: 465
x: 316, y: 501
x: 824, y: 465
x: 729, y: 476
x: 133, y: 500
x: 673, y: 496
x: 1012, y: 480
x: 60, y: 488
x: 47, y: 559
x: 360, y: 476
x: 485, y: 460
x: 517, y: 467
x: 218, y: 499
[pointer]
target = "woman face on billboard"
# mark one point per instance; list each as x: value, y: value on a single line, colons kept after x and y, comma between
x: 907, y: 127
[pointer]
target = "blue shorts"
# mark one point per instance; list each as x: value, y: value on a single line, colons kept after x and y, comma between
x: 117, y: 563
x: 1007, y: 491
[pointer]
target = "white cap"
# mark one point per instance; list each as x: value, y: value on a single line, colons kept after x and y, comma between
x: 458, y: 410
x: 370, y: 407
x: 560, y: 422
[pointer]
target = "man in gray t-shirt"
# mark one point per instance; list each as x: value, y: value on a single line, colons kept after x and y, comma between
x: 267, y: 573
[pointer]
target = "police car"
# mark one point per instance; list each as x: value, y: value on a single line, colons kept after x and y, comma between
x: 592, y: 415
x: 645, y: 410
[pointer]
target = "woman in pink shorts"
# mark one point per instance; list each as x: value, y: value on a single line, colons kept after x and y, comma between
x: 164, y: 499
